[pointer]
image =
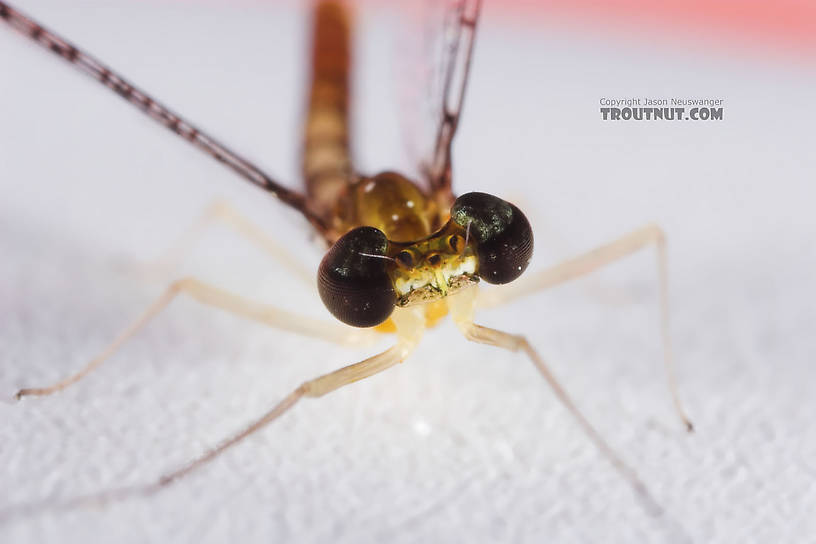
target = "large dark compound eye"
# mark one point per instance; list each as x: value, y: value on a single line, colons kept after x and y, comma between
x: 353, y: 284
x: 504, y: 236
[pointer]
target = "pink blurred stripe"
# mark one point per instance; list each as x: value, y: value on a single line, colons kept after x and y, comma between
x: 779, y: 26
x: 782, y: 24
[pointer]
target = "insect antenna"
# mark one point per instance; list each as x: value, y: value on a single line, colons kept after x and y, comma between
x: 467, y: 235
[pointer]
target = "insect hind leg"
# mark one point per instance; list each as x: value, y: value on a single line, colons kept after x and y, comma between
x: 222, y: 212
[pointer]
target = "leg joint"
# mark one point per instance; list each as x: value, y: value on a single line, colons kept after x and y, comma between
x: 182, y: 284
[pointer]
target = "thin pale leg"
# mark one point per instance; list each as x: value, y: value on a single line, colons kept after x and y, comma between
x: 221, y: 211
x: 591, y: 261
x: 410, y: 324
x: 462, y: 306
x: 547, y: 234
x: 213, y: 296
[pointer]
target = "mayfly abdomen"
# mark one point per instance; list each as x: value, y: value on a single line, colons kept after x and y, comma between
x: 387, y: 201
x: 327, y: 168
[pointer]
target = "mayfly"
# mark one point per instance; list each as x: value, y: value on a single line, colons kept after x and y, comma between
x: 402, y: 253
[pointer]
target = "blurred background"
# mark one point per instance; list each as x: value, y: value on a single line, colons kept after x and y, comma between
x: 462, y: 442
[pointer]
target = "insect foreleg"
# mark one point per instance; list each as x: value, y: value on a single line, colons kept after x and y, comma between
x: 589, y: 262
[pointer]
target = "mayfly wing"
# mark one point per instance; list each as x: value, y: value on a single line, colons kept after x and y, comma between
x: 454, y: 49
x: 418, y: 39
x: 157, y: 111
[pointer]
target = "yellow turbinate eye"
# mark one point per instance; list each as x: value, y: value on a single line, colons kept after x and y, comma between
x: 502, y: 235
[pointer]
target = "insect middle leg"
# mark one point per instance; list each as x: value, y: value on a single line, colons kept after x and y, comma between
x: 221, y: 211
x: 591, y: 261
x: 213, y: 296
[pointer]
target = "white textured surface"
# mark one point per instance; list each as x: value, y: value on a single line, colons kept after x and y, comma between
x: 462, y: 443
